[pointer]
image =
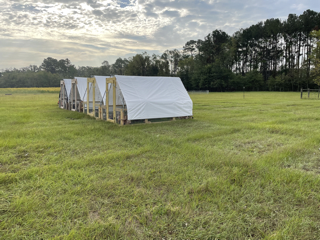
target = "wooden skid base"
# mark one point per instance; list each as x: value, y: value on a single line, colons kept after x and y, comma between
x: 148, y: 121
x: 121, y: 116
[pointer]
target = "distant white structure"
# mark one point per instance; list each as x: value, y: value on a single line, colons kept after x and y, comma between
x: 127, y: 99
x: 64, y: 95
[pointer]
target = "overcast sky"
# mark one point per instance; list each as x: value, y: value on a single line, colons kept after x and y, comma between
x: 91, y: 31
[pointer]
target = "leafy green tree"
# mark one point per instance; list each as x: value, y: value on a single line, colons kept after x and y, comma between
x: 213, y: 46
x: 19, y: 79
x: 119, y: 66
x: 276, y: 83
x: 186, y: 70
x: 105, y: 69
x: 254, y: 80
x: 190, y: 47
x: 139, y: 65
x: 63, y: 67
x: 50, y: 65
x: 315, y: 58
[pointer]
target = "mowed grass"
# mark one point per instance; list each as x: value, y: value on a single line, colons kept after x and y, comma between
x: 241, y: 169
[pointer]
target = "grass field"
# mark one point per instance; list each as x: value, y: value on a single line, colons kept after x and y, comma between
x: 241, y: 169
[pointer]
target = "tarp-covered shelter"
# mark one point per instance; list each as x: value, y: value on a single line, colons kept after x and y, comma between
x: 136, y: 98
x: 64, y: 96
x: 78, y: 93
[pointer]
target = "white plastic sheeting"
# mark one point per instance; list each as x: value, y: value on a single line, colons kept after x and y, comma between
x: 101, y: 81
x: 155, y: 97
x: 82, y: 87
x: 119, y: 97
x: 67, y: 83
x: 98, y: 97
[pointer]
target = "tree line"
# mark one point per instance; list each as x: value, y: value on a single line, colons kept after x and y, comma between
x: 271, y: 55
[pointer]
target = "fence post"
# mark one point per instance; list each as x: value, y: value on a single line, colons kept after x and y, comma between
x: 308, y: 92
x: 301, y: 94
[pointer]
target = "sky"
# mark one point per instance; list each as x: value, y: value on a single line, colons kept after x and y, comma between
x: 89, y: 32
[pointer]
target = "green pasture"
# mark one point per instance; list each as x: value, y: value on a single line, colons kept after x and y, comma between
x: 241, y: 169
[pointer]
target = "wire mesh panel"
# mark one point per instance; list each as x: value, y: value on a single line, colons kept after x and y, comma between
x: 90, y: 104
x: 118, y: 116
x: 64, y: 98
x: 95, y: 99
x: 61, y: 96
x: 96, y: 112
x: 85, y: 107
x: 120, y: 107
x: 110, y: 101
x: 120, y: 102
x: 77, y: 100
x: 104, y: 114
x: 98, y: 100
x: 74, y: 96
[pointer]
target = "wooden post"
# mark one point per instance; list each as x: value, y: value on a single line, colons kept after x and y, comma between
x: 122, y: 118
x: 114, y: 101
x: 301, y: 93
x: 75, y: 96
x: 94, y: 99
x: 113, y: 81
x: 63, y: 93
x: 318, y: 92
x: 308, y: 92
x: 71, y: 98
x: 107, y: 101
x: 88, y: 97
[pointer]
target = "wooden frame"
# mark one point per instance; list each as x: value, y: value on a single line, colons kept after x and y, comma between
x: 112, y: 81
x: 93, y: 81
x: 61, y: 94
x: 62, y: 101
x: 74, y: 97
x: 122, y: 119
x: 87, y: 102
x: 116, y: 109
x: 119, y: 113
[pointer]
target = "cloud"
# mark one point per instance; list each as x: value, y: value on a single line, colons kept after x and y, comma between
x: 171, y: 14
x: 299, y: 7
x: 90, y: 31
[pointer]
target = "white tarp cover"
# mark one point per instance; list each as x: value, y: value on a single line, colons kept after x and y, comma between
x: 67, y: 83
x: 98, y: 97
x: 82, y: 87
x: 101, y: 82
x: 155, y: 97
